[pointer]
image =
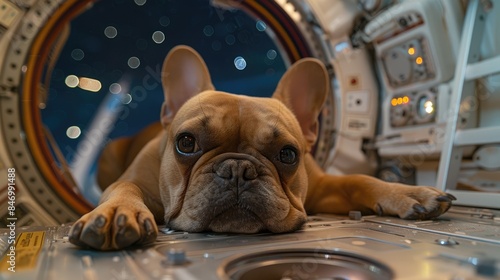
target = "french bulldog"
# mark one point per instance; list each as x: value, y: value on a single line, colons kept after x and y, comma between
x: 230, y: 163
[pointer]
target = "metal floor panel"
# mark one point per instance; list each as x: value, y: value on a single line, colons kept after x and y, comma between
x: 462, y: 244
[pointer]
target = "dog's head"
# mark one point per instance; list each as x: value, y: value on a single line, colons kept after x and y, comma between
x: 234, y: 163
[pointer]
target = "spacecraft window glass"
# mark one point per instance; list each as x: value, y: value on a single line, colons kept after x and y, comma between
x: 104, y: 79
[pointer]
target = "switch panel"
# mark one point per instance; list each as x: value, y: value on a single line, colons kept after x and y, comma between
x: 357, y: 102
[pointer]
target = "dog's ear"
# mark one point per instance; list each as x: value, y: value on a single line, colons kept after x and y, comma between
x: 303, y: 89
x: 184, y: 75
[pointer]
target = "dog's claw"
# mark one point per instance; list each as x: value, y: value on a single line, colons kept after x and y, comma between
x: 149, y: 227
x: 379, y: 210
x: 434, y: 213
x: 74, y: 234
x: 100, y: 222
x: 150, y: 232
x: 125, y: 234
x: 419, y: 209
x: 91, y: 235
x: 121, y: 220
x: 444, y: 198
x: 417, y: 213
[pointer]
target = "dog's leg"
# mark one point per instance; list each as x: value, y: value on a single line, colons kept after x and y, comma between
x: 128, y: 208
x: 341, y: 194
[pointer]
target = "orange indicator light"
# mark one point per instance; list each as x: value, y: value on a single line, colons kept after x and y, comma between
x: 400, y: 100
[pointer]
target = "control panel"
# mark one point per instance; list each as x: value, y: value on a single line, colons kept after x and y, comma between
x: 413, y: 108
x: 408, y: 63
x: 415, y: 44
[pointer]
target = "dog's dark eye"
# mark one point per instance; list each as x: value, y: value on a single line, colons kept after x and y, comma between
x: 288, y: 155
x: 186, y: 144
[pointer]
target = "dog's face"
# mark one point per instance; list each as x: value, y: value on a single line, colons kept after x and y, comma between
x: 236, y: 163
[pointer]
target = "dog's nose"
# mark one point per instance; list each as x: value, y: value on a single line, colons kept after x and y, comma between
x: 232, y: 168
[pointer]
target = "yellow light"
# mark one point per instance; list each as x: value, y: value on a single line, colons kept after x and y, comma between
x: 406, y: 99
x: 429, y: 107
x: 90, y: 84
x: 419, y: 60
x: 400, y: 100
x: 394, y: 102
x: 411, y: 51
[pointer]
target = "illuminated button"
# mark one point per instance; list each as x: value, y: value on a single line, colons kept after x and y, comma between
x: 429, y: 107
x: 425, y: 107
x: 400, y: 100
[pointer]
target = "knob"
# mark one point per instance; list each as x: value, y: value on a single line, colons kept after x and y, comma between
x: 447, y: 241
x: 176, y: 257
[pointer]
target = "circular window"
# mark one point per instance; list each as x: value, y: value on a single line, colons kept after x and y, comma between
x: 82, y: 73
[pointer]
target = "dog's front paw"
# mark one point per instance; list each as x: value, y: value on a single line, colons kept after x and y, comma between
x: 414, y: 203
x: 113, y: 226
